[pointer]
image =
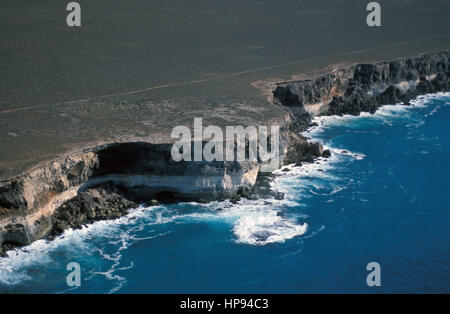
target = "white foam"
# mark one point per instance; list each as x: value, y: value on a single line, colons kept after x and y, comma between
x: 13, y: 269
x: 386, y: 114
x: 258, y: 222
x: 424, y: 100
x: 253, y: 222
x: 267, y: 228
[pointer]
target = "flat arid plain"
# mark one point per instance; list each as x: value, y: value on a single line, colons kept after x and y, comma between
x: 135, y: 69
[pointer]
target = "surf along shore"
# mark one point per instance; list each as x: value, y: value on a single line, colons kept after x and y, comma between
x: 104, y: 180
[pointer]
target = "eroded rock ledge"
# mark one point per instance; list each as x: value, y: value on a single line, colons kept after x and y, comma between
x: 106, y: 181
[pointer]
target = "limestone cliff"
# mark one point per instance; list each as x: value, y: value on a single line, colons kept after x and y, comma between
x: 365, y: 87
x: 28, y: 202
x: 105, y: 181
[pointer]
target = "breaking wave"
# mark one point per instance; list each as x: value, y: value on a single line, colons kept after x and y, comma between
x: 252, y: 222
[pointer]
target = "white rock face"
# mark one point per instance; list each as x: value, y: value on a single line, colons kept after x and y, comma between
x: 28, y: 202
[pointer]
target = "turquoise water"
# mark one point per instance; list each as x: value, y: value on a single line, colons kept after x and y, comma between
x: 383, y: 197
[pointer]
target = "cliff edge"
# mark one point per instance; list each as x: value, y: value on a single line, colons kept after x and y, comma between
x: 104, y: 181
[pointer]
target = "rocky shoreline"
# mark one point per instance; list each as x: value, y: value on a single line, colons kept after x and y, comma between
x: 105, y: 182
x: 364, y: 87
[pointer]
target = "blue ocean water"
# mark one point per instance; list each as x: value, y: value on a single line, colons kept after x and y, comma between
x: 383, y: 197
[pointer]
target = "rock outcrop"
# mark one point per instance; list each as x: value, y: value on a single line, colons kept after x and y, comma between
x: 107, y: 201
x: 365, y: 87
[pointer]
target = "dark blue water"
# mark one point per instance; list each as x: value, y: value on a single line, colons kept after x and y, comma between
x: 383, y: 197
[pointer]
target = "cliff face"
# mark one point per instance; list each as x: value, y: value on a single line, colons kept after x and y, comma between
x: 27, y: 202
x: 365, y: 87
x: 142, y: 171
x: 105, y: 181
